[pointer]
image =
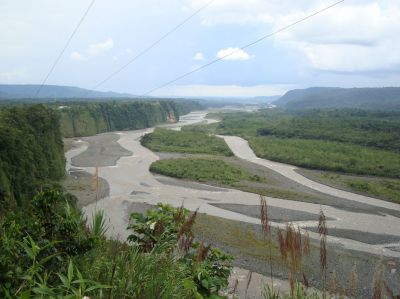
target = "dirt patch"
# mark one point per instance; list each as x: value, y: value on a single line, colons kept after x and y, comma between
x: 360, y: 236
x: 82, y: 185
x: 103, y: 150
x: 275, y: 214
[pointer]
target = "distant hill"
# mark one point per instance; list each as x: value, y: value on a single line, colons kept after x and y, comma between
x: 385, y: 98
x: 53, y: 92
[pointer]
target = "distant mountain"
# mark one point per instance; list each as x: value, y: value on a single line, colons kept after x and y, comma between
x: 335, y: 97
x: 53, y: 92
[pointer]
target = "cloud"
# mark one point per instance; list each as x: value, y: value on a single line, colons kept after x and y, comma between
x: 348, y: 38
x: 93, y: 50
x: 233, y: 54
x: 354, y: 36
x: 225, y: 90
x: 198, y: 56
x: 99, y: 48
x: 76, y: 56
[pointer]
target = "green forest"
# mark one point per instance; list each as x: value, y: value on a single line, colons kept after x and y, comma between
x: 48, y: 250
x: 85, y: 119
x: 31, y: 151
x: 163, y: 140
x: 342, y: 140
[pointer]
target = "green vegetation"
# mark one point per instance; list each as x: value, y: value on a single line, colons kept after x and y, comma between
x: 31, y: 151
x: 203, y: 170
x: 84, y: 119
x: 46, y: 251
x: 386, y: 98
x: 328, y: 155
x: 163, y: 140
x: 350, y: 141
x: 388, y: 189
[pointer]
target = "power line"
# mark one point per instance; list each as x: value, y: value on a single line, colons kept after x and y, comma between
x: 241, y: 48
x: 147, y: 49
x: 64, y: 48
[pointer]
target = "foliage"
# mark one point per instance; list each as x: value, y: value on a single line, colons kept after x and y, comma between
x: 203, y: 170
x: 384, y: 188
x: 31, y: 152
x: 328, y: 155
x: 163, y: 140
x: 347, y: 140
x: 209, y: 267
x: 83, y: 119
x: 52, y: 230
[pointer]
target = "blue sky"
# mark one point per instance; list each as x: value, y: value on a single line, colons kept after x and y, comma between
x: 354, y: 44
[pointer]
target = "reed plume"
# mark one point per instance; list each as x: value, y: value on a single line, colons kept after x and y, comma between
x: 323, y: 258
x: 353, y: 282
x: 378, y: 282
x: 266, y: 228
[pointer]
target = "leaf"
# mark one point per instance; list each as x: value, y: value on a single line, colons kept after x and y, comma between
x: 70, y: 272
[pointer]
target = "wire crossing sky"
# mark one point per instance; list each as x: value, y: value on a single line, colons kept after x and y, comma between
x: 147, y: 49
x: 222, y: 57
x: 65, y: 47
x: 355, y: 44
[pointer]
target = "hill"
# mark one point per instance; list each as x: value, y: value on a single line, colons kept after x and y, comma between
x: 386, y: 98
x: 27, y: 91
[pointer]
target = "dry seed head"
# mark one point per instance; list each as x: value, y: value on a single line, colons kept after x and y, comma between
x: 353, y: 282
x: 378, y: 282
x: 323, y: 254
x: 264, y: 216
x: 306, y: 244
x: 322, y: 229
x: 203, y: 251
x: 282, y: 245
x: 187, y: 225
x: 297, y: 245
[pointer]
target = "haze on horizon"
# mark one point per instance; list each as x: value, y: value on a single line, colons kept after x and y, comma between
x: 355, y: 44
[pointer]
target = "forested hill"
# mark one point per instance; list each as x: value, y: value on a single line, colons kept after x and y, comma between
x: 386, y: 98
x: 84, y: 119
x: 31, y: 150
x: 53, y: 92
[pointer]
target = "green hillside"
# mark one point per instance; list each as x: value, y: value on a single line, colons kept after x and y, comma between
x: 386, y: 98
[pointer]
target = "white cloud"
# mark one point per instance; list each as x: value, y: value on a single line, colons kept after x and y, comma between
x: 224, y: 90
x: 354, y: 36
x: 347, y: 38
x: 93, y: 50
x: 76, y: 56
x: 99, y: 48
x: 233, y: 54
x: 198, y: 56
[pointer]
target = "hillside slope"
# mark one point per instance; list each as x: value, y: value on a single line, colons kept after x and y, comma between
x: 28, y: 91
x: 386, y: 98
x: 85, y: 119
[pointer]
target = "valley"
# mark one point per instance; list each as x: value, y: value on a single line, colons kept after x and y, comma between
x: 364, y: 228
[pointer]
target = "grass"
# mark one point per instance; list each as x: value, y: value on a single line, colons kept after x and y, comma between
x: 387, y: 189
x: 203, y: 170
x: 328, y: 155
x: 163, y: 140
x: 234, y: 173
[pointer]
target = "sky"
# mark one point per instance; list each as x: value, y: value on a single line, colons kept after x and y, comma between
x: 354, y: 44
